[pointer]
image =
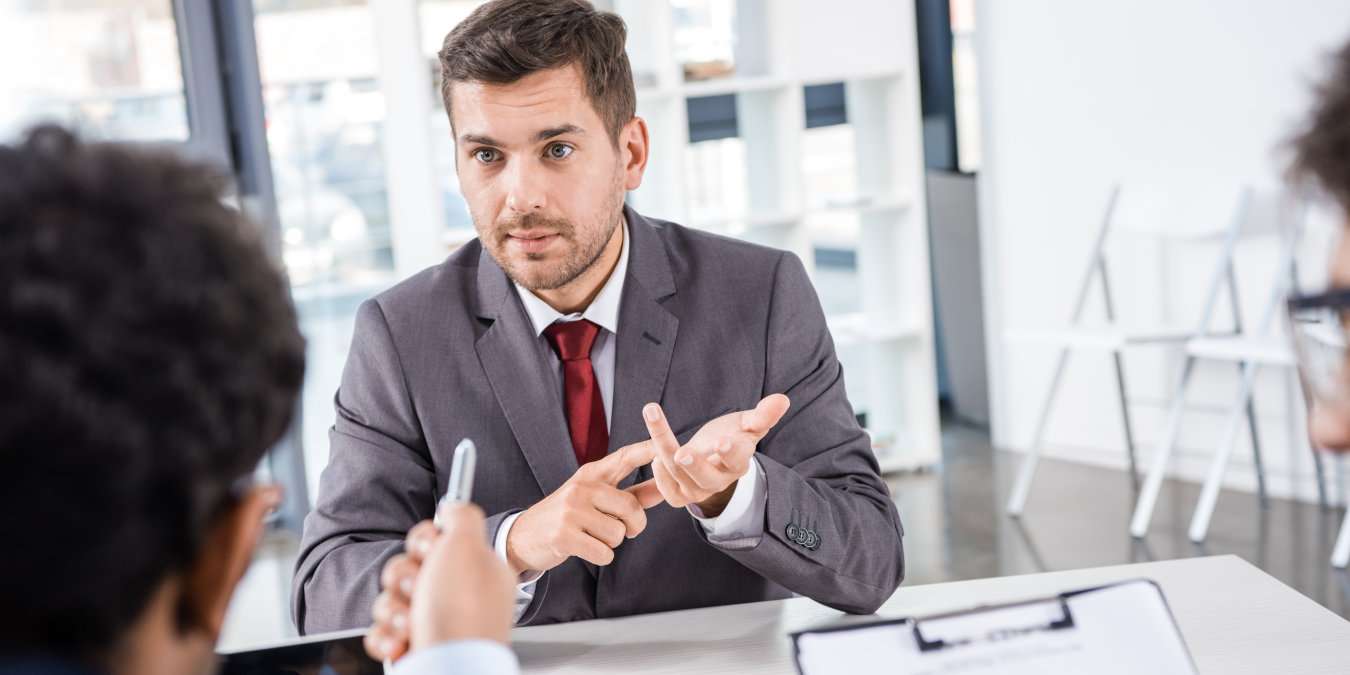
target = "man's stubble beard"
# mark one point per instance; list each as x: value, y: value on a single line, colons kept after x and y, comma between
x: 583, y: 256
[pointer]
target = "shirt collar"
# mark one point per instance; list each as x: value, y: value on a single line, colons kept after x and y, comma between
x: 603, y: 310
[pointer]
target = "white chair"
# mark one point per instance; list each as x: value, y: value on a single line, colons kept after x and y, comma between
x: 1256, y: 215
x: 1266, y: 346
x: 1115, y: 337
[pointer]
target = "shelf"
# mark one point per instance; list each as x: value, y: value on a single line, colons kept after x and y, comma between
x: 897, y: 453
x: 858, y: 328
x: 783, y: 219
x: 893, y: 463
x: 751, y: 84
x: 749, y: 221
x: 732, y: 85
x: 800, y: 188
x: 864, y: 205
x: 853, y: 77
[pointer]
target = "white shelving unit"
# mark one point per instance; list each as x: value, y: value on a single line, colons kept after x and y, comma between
x: 781, y: 48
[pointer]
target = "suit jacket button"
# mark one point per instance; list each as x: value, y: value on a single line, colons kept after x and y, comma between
x: 811, y: 540
x: 815, y: 540
x: 793, y: 533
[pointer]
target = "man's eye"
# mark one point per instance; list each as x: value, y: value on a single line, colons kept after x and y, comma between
x: 485, y: 155
x: 559, y: 151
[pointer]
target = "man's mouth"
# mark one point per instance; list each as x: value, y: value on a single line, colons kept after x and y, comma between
x: 530, y: 241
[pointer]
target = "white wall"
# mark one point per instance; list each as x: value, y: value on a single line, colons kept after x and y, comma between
x: 1180, y: 97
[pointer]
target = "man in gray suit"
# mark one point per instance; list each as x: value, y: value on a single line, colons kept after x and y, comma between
x: 550, y: 340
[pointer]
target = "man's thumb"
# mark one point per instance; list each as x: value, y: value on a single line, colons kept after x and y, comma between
x: 766, y: 414
x: 647, y: 493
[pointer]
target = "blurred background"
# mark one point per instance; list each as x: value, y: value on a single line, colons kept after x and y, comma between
x: 945, y: 168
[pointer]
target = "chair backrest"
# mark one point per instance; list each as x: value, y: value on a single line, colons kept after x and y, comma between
x: 1179, y: 211
x: 1218, y: 216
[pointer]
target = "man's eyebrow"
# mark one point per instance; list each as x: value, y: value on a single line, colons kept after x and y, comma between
x: 542, y: 135
x: 546, y: 134
x: 480, y: 140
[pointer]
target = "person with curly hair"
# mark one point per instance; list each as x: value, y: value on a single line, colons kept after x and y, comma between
x: 1322, y: 161
x: 150, y: 356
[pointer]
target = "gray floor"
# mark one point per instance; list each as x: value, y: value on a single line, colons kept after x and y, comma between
x: 955, y: 529
x: 1078, y: 516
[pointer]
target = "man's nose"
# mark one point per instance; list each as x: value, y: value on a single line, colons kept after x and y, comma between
x: 525, y: 190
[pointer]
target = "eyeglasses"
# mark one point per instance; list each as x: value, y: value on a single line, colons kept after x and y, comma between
x: 1317, y: 324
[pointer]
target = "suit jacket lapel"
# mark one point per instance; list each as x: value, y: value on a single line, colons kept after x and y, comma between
x: 530, y: 393
x: 525, y: 386
x: 646, y: 336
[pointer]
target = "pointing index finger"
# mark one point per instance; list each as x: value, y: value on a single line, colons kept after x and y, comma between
x: 624, y: 461
x: 659, y: 429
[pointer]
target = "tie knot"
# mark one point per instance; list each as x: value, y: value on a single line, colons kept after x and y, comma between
x: 572, y: 340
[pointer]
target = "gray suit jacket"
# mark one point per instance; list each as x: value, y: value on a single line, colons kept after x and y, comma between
x: 707, y: 325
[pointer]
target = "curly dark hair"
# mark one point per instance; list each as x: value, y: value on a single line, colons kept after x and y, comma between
x: 149, y: 357
x: 1322, y: 147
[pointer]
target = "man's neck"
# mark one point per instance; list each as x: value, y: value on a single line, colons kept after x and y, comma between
x: 578, y: 294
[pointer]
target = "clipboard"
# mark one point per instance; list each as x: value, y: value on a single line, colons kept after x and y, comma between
x: 1124, y: 627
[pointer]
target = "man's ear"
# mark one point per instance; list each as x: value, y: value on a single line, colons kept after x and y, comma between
x: 636, y: 145
x: 225, y: 557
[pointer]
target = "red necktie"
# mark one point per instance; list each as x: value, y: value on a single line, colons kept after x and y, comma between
x: 585, y: 409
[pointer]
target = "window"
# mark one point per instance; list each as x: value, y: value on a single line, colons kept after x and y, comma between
x: 110, y: 68
x: 326, y: 120
x: 325, y: 116
x: 967, y: 85
x: 437, y: 18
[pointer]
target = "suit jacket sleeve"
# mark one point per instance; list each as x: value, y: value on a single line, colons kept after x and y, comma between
x: 379, y: 482
x: 831, y: 531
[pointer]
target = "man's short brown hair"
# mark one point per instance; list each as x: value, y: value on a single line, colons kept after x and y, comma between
x: 1322, y: 147
x: 505, y: 40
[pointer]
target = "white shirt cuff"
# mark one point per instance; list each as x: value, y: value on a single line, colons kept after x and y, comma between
x: 483, y: 657
x: 527, y: 580
x: 741, y: 523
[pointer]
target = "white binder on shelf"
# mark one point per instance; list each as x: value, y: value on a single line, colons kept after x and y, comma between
x: 1120, y: 628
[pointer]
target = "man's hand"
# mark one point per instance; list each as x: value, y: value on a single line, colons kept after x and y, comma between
x: 448, y: 585
x: 587, y: 517
x: 704, y: 471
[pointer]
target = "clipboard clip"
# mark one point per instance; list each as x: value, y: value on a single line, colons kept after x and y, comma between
x: 925, y: 645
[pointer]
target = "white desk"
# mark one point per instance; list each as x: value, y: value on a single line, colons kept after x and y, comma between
x: 1235, y: 619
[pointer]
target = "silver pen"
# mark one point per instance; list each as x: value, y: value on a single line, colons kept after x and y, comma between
x: 460, y: 487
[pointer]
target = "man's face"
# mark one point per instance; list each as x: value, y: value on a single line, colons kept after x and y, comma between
x: 543, y: 180
x: 1330, y: 424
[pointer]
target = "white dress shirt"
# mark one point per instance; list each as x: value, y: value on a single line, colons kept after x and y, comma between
x: 741, y: 523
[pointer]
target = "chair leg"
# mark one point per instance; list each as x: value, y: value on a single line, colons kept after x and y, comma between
x: 1209, y: 495
x: 1120, y: 374
x: 1148, y: 497
x: 1018, y: 500
x: 1125, y: 420
x: 1257, y: 462
x: 1319, y: 467
x: 1340, y: 556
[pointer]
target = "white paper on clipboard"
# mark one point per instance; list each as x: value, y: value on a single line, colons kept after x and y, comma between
x: 1120, y: 628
